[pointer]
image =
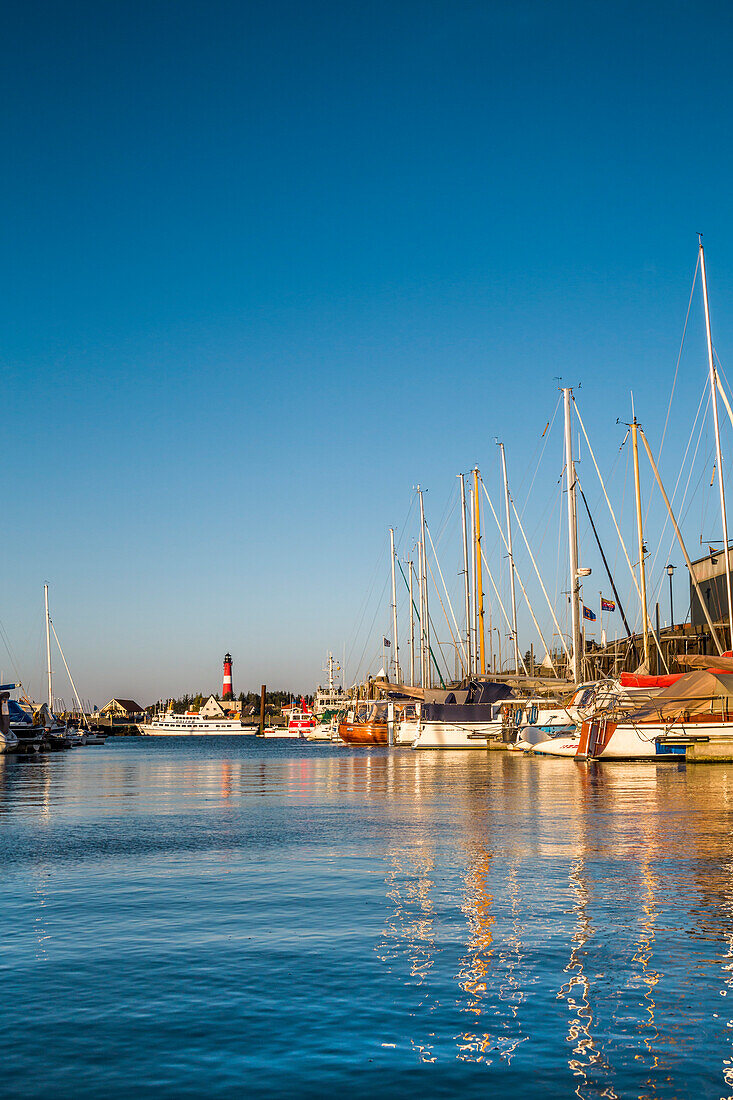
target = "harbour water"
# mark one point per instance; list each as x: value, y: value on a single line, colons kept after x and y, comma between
x: 220, y: 917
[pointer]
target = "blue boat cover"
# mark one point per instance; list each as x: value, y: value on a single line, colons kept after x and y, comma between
x: 17, y: 714
x: 479, y: 706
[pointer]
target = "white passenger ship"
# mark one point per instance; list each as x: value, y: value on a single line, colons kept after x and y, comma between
x: 178, y: 724
x: 210, y: 720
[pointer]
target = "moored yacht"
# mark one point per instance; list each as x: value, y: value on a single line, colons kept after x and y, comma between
x: 692, y: 720
x: 468, y: 718
x: 365, y: 723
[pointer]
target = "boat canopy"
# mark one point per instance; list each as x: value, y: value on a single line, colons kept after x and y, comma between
x: 17, y: 714
x: 693, y: 693
x: 475, y: 705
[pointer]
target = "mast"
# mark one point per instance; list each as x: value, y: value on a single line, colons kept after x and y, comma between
x: 474, y: 615
x: 425, y: 614
x: 48, y: 650
x: 511, y: 559
x: 572, y: 539
x: 640, y: 535
x: 718, y: 454
x: 479, y: 588
x: 412, y: 625
x: 466, y: 586
x: 423, y: 677
x: 394, y: 610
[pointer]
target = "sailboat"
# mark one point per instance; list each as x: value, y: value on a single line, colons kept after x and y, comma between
x: 692, y: 719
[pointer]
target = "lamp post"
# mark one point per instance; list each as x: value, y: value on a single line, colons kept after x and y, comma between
x: 670, y: 571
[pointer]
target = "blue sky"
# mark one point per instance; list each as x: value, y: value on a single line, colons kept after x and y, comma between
x: 267, y: 267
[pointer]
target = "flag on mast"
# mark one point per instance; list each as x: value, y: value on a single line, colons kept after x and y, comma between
x: 607, y: 605
x: 386, y: 641
x: 588, y: 614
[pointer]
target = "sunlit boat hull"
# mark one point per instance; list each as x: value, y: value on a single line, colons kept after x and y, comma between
x: 364, y: 733
x: 531, y: 738
x: 444, y: 735
x: 558, y: 746
x: 201, y: 728
x: 692, y: 740
x: 8, y: 742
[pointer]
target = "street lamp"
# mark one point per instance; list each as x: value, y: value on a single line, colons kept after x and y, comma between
x: 670, y: 571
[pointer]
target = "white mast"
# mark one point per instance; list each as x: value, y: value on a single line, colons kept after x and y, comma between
x: 394, y: 610
x: 48, y: 651
x: 425, y: 613
x: 329, y: 670
x: 718, y: 454
x: 474, y: 618
x: 423, y: 677
x: 412, y: 624
x: 466, y: 586
x: 572, y: 539
x: 511, y: 560
x: 640, y: 534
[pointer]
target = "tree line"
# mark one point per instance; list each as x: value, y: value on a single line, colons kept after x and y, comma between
x: 274, y: 700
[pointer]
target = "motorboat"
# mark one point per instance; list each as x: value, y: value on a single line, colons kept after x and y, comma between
x: 93, y: 737
x: 23, y: 725
x: 8, y: 739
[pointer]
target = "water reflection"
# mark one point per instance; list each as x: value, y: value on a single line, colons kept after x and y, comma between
x: 510, y: 919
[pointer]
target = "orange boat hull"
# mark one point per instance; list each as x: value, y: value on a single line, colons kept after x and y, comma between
x: 364, y: 733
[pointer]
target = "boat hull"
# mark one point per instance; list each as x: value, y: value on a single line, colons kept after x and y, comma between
x: 558, y: 746
x: 210, y: 730
x: 445, y: 735
x: 364, y: 733
x: 530, y: 738
x: 653, y: 741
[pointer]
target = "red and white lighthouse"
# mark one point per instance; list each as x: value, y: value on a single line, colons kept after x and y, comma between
x: 226, y: 691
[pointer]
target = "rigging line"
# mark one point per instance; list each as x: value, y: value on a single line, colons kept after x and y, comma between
x: 455, y: 643
x: 544, y: 441
x: 683, y: 548
x: 542, y: 586
x: 430, y: 619
x: 512, y: 566
x: 603, y: 556
x: 501, y: 605
x: 450, y: 605
x: 68, y: 670
x: 6, y: 642
x: 559, y: 544
x: 674, y: 381
x: 701, y: 475
x: 613, y: 514
x: 446, y: 519
x: 705, y: 391
x: 364, y: 606
x: 371, y: 628
x: 402, y: 530
x: 370, y: 591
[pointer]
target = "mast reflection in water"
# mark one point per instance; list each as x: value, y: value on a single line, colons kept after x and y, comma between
x: 212, y: 918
